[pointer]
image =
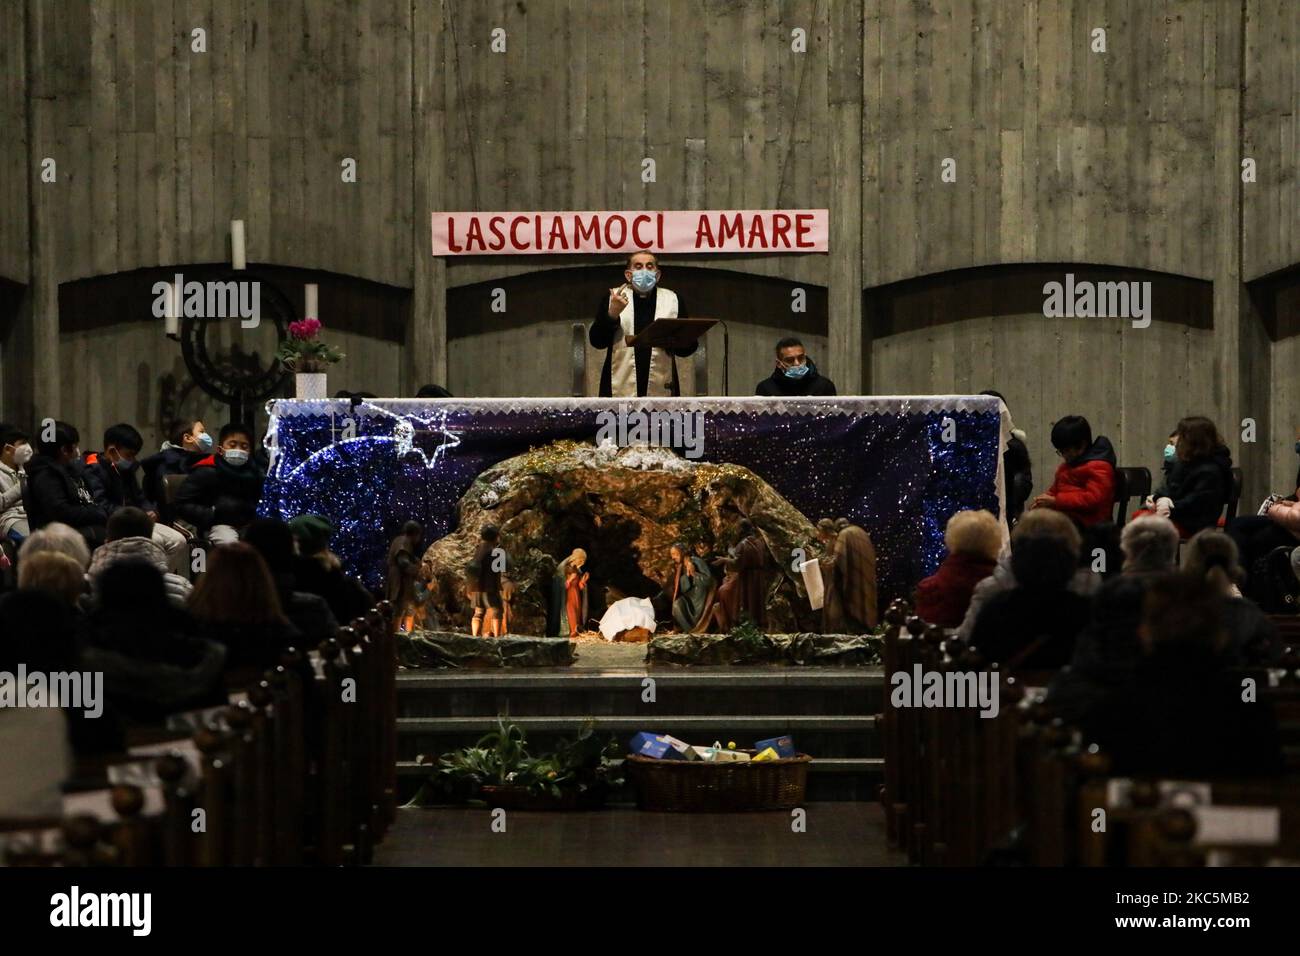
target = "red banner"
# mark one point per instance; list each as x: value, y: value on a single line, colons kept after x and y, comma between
x: 676, y: 231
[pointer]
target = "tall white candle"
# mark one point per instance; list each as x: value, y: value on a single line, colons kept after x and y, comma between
x: 173, y: 315
x: 313, y: 301
x: 238, y: 257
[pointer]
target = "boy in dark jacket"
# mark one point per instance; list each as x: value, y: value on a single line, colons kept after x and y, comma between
x: 1084, y: 486
x: 188, y: 443
x: 1199, y: 480
x: 113, y: 477
x: 222, y: 492
x: 57, y: 489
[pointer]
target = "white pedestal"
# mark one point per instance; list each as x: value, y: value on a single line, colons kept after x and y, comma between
x: 310, y: 385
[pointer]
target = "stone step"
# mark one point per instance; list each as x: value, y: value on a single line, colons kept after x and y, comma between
x: 772, y: 692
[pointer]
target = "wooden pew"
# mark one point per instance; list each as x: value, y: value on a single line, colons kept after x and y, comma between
x: 1154, y: 822
x: 289, y: 773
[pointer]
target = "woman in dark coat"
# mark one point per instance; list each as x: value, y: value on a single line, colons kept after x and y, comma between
x: 1033, y: 626
x: 1199, y: 481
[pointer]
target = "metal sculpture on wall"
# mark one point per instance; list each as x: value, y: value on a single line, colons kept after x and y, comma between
x: 240, y: 375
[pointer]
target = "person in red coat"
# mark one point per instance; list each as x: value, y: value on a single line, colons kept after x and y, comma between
x: 1084, y: 486
x: 974, y: 539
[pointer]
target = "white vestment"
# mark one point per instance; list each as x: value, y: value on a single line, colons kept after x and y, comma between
x: 622, y: 367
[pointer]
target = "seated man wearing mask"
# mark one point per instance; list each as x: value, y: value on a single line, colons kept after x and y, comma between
x: 221, y: 493
x: 637, y: 371
x: 795, y: 373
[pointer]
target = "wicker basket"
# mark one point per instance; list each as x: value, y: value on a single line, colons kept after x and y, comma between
x: 698, y: 786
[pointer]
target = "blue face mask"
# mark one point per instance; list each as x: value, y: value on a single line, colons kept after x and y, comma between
x: 797, y: 371
x: 204, y: 442
x: 1171, y: 453
x: 644, y: 280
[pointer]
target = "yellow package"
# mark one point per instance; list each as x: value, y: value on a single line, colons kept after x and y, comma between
x: 768, y: 754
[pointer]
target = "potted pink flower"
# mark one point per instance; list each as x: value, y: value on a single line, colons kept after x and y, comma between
x: 307, y: 356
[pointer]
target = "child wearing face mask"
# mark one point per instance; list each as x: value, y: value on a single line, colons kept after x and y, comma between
x: 221, y: 493
x: 188, y: 443
x: 15, y: 451
x: 115, y: 482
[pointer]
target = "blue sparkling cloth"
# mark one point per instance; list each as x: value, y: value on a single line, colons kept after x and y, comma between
x: 898, y: 467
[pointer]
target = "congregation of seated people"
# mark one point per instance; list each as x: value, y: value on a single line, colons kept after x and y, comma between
x: 1139, y: 630
x: 174, y: 615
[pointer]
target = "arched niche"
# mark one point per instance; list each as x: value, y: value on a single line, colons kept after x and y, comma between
x: 972, y: 329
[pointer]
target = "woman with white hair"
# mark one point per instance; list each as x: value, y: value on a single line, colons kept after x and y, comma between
x: 1150, y: 544
x: 59, y: 537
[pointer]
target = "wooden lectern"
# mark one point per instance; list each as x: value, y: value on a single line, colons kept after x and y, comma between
x: 671, y: 333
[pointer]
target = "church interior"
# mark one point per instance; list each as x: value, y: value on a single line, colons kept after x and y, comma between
x: 616, y: 433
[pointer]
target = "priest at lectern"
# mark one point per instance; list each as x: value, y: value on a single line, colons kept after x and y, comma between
x: 635, y: 369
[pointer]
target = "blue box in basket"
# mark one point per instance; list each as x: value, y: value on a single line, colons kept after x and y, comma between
x: 783, y: 745
x: 659, y: 746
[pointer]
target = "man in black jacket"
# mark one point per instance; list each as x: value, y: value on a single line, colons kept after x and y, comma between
x: 57, y: 489
x: 795, y: 373
x: 222, y: 492
x: 113, y: 477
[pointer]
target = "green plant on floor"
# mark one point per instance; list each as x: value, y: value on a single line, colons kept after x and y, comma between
x: 501, y: 758
x: 495, y: 760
